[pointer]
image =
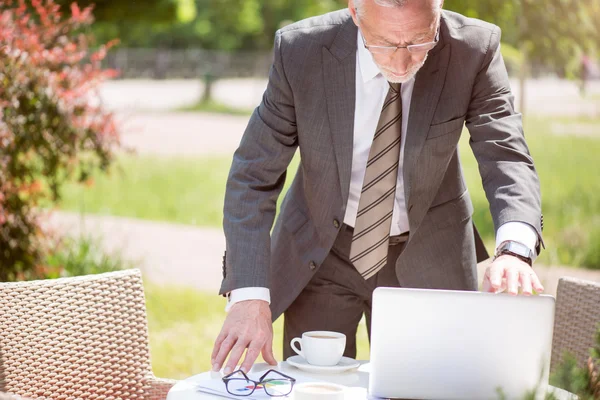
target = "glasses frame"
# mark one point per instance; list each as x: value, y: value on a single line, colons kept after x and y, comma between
x: 261, y: 380
x: 411, y: 48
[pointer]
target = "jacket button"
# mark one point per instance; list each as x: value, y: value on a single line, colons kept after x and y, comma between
x: 312, y: 265
x: 336, y: 223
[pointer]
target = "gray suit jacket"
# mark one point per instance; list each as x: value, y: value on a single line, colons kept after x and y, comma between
x: 309, y: 104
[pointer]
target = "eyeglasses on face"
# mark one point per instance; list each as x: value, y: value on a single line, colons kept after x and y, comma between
x: 411, y: 48
x: 274, y: 383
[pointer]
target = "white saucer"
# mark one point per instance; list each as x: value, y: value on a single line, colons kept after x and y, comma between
x: 345, y: 364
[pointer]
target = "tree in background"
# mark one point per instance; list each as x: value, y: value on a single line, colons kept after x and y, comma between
x: 553, y: 33
x: 157, y: 11
x: 550, y: 34
x: 131, y: 21
x: 50, y: 129
x: 209, y: 24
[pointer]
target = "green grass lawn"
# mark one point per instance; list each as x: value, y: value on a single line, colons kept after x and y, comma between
x: 184, y: 190
x: 191, y: 191
x: 187, y: 191
x: 568, y: 167
x: 184, y: 324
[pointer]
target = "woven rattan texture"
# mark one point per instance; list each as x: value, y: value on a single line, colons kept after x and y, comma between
x: 576, y: 319
x: 75, y: 338
x: 6, y: 396
x: 158, y: 388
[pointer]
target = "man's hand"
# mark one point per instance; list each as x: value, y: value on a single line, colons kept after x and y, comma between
x: 248, y: 325
x: 508, y: 273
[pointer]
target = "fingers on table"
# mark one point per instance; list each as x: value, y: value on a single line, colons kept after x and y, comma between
x: 236, y: 354
x: 251, y: 355
x: 267, y: 351
x: 224, y: 349
x: 216, y: 348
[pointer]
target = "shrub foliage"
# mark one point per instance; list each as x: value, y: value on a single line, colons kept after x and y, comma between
x: 53, y: 127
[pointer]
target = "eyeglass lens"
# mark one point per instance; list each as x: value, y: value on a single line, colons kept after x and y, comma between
x: 277, y: 387
x: 240, y: 387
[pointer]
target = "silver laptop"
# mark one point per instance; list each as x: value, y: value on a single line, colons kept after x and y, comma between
x: 441, y: 344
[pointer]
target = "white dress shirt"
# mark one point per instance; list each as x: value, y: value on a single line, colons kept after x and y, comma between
x: 371, y: 90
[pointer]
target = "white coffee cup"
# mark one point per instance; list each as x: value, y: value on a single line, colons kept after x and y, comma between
x: 318, y: 391
x: 322, y: 348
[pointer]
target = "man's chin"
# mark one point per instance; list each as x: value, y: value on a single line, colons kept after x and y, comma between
x: 393, y: 78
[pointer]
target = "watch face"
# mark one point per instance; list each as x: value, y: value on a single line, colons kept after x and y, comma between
x: 519, y: 248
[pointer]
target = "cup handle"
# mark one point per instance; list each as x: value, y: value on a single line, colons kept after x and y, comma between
x: 296, y: 349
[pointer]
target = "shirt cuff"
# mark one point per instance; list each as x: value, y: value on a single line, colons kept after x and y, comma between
x: 249, y: 293
x: 519, y: 232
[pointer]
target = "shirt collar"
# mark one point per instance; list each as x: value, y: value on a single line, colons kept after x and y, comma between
x: 368, y: 68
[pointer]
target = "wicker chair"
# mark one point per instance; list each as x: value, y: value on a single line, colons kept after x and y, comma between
x: 576, y: 319
x: 77, y: 338
x: 6, y: 396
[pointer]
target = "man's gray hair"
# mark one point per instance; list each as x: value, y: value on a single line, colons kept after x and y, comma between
x: 391, y: 3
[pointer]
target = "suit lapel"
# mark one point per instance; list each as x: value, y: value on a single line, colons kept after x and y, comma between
x: 339, y: 72
x: 426, y: 93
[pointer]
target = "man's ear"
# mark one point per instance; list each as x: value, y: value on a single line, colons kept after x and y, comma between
x: 352, y: 9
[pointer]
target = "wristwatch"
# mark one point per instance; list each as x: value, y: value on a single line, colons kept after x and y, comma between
x: 516, y: 249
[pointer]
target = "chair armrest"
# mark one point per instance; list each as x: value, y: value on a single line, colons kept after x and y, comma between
x: 157, y: 387
x: 561, y: 394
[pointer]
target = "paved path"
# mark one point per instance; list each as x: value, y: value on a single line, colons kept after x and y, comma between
x: 183, y: 255
x: 547, y: 96
x: 166, y: 253
x: 150, y: 126
x: 164, y: 95
x: 181, y: 134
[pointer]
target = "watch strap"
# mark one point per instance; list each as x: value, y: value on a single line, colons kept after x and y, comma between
x: 516, y: 249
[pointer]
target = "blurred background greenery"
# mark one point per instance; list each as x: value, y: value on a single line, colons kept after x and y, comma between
x: 553, y: 33
x: 175, y: 177
x: 158, y: 188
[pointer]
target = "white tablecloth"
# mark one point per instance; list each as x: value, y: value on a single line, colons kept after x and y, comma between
x: 357, y: 381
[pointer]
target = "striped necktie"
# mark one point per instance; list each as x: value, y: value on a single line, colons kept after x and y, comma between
x: 370, y: 240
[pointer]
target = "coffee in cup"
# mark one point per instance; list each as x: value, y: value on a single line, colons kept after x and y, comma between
x: 322, y: 348
x: 319, y: 391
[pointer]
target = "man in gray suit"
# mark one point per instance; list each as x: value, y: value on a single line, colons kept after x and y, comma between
x: 375, y: 98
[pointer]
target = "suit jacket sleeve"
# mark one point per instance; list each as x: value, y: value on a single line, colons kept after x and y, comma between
x: 255, y: 181
x: 508, y: 174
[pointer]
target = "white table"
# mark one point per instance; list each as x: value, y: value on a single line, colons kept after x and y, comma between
x: 357, y: 381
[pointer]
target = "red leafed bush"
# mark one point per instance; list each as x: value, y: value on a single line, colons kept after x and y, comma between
x: 52, y: 126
